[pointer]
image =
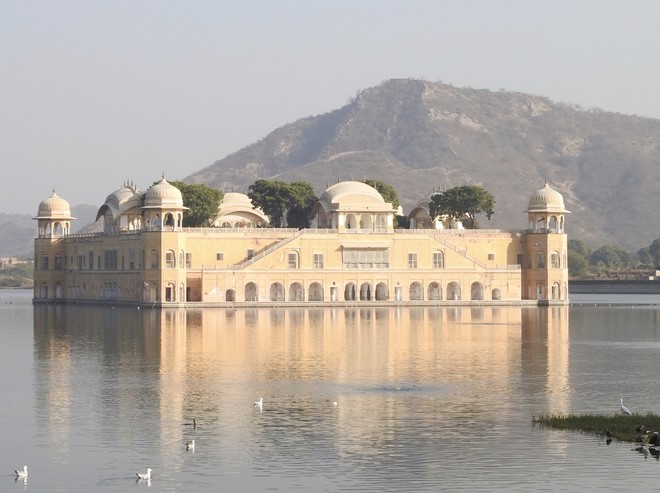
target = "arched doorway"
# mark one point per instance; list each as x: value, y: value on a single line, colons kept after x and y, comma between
x: 276, y: 292
x: 365, y: 292
x: 497, y: 294
x: 251, y: 292
x: 230, y: 295
x: 435, y: 291
x: 415, y: 292
x: 296, y: 292
x: 382, y: 293
x: 556, y: 291
x: 350, y: 292
x: 315, y: 292
x: 477, y: 291
x: 453, y: 291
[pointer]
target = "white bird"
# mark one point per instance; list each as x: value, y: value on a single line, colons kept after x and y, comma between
x: 624, y: 409
x: 146, y: 475
x: 259, y: 404
x: 190, y: 445
x: 23, y: 473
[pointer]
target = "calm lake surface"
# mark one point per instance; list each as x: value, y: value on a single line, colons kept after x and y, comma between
x: 428, y: 399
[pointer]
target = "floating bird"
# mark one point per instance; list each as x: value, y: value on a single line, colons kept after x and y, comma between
x: 190, y: 445
x: 334, y: 403
x: 146, y: 475
x: 259, y: 404
x: 193, y: 424
x: 21, y: 473
x: 624, y: 409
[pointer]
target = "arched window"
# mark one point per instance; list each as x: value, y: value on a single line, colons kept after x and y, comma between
x: 170, y: 261
x: 380, y: 225
x: 153, y: 259
x: 351, y: 222
x: 540, y: 259
x: 554, y: 260
x: 365, y: 223
x: 497, y: 294
x: 168, y: 220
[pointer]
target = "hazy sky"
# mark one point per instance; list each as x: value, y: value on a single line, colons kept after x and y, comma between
x: 96, y: 92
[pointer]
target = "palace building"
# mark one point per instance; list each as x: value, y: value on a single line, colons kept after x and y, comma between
x: 352, y: 254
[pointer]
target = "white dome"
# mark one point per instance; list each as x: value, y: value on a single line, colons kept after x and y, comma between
x: 163, y: 194
x: 546, y: 200
x: 54, y: 207
x: 352, y: 190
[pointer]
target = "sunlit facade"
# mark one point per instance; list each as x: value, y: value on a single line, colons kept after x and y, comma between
x: 351, y: 254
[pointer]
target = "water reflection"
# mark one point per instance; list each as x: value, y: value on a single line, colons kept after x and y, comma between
x: 403, y: 380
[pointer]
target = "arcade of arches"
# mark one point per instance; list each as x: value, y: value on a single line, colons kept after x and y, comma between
x: 366, y: 291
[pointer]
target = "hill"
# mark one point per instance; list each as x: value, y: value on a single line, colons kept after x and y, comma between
x: 422, y: 136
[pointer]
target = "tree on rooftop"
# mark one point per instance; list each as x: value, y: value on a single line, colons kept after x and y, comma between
x: 203, y: 203
x: 463, y: 204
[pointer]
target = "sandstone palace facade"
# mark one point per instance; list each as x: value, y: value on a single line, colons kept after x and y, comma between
x: 351, y: 255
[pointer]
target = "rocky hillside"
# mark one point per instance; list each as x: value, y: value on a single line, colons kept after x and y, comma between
x: 421, y: 136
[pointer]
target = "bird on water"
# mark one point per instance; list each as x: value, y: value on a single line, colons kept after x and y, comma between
x: 21, y: 473
x: 190, y: 445
x: 146, y: 475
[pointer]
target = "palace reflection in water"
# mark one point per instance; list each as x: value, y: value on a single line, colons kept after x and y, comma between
x: 133, y: 368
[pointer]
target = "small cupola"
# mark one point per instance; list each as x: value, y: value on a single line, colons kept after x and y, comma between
x: 54, y: 217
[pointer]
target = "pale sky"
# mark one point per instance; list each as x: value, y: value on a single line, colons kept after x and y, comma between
x: 98, y: 92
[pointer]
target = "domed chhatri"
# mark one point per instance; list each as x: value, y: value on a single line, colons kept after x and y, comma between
x: 54, y: 207
x: 352, y: 253
x: 546, y: 199
x: 54, y: 217
x: 163, y: 194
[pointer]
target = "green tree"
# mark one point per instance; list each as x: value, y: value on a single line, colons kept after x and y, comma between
x: 578, y: 265
x: 654, y: 251
x: 280, y: 201
x: 271, y: 197
x: 463, y: 204
x: 611, y: 256
x: 578, y: 259
x: 386, y: 190
x: 579, y: 247
x: 299, y: 204
x: 644, y: 256
x: 202, y: 200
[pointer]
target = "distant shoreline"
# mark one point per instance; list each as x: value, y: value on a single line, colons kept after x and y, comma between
x: 614, y: 286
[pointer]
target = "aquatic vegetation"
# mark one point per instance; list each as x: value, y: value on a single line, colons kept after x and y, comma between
x: 617, y: 426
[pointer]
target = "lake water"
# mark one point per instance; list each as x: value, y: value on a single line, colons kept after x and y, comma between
x: 428, y: 399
